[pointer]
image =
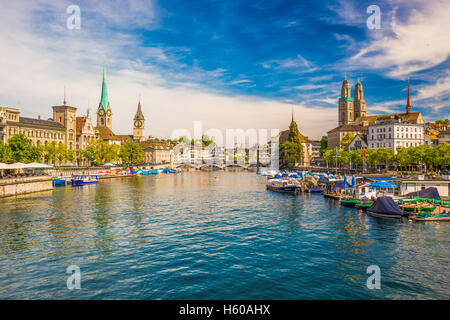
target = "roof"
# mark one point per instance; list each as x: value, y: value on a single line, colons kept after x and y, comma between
x: 106, y: 133
x: 139, y: 115
x: 431, y: 136
x: 359, y: 135
x: 412, y: 116
x: 104, y: 100
x: 349, y: 127
x: 284, y: 136
x: 124, y: 137
x: 80, y: 124
x: 346, y: 98
x: 154, y: 145
x: 40, y: 122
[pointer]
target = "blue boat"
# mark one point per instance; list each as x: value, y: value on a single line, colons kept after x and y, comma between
x: 59, y: 182
x: 81, y: 180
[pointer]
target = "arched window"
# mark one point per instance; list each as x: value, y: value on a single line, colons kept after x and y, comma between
x: 102, y: 122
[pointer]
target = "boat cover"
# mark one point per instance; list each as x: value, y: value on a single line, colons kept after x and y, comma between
x: 429, y: 193
x: 316, y: 189
x: 385, y: 205
x: 323, y: 180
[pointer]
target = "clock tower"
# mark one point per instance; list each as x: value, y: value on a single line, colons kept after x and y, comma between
x: 138, y: 124
x: 104, y: 115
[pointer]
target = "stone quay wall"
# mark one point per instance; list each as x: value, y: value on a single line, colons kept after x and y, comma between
x: 24, y: 185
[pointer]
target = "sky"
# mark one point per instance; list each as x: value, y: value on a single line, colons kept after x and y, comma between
x: 230, y: 64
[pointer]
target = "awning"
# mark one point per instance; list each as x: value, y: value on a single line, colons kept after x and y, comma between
x: 383, y: 184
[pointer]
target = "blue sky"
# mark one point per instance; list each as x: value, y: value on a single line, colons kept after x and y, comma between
x: 228, y: 63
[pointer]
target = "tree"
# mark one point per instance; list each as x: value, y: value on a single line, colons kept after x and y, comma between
x: 291, y: 150
x: 61, y: 153
x: 346, y: 140
x: 330, y: 156
x: 5, y: 152
x: 20, y: 147
x: 49, y: 152
x: 131, y: 152
x: 444, y: 121
x: 290, y: 153
x: 323, y: 145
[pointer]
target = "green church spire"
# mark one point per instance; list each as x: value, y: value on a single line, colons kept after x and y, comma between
x: 104, y: 101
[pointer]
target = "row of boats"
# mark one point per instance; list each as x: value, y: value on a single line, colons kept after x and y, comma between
x: 425, y: 205
x: 87, y: 179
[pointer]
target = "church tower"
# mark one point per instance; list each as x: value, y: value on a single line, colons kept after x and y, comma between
x: 346, y: 108
x: 408, y: 102
x: 139, y: 121
x: 104, y: 114
x: 359, y: 103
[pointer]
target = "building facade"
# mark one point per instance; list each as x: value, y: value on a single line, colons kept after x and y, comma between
x: 351, y: 108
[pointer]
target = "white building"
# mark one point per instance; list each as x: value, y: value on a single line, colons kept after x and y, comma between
x: 358, y: 142
x: 395, y: 134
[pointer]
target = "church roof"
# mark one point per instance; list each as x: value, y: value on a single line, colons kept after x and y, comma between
x: 349, y: 127
x: 80, y: 124
x: 124, y: 137
x: 410, y: 117
x: 154, y: 145
x: 106, y: 133
x: 284, y: 136
x: 139, y: 115
x: 104, y: 100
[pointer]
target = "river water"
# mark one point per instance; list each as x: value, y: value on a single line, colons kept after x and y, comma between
x: 211, y: 235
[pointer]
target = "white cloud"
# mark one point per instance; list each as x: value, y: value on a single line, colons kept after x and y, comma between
x: 37, y: 62
x: 418, y: 43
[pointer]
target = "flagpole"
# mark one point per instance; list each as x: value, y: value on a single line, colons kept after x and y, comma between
x: 364, y: 158
x: 336, y: 160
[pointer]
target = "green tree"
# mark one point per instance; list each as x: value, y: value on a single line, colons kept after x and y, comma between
x: 61, y: 153
x: 290, y: 154
x: 346, y: 140
x: 291, y: 150
x: 20, y: 147
x: 444, y: 121
x: 131, y: 152
x: 5, y: 152
x: 49, y: 152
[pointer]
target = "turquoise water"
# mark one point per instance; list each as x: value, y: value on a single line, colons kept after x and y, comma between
x: 195, y: 236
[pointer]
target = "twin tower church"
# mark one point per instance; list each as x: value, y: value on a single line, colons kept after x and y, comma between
x: 104, y: 120
x: 350, y: 108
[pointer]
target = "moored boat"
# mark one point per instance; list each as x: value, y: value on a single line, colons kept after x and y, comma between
x: 81, y: 180
x: 349, y: 202
x: 59, y: 182
x: 363, y: 205
x: 283, y: 186
x: 385, y: 207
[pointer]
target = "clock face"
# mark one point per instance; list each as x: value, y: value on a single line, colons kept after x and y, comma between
x: 109, y: 112
x: 138, y: 123
x: 101, y: 112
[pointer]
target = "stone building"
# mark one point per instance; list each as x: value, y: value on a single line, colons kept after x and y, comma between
x: 39, y: 131
x: 156, y: 151
x: 85, y: 133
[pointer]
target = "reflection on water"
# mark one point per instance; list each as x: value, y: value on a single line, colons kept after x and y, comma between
x: 195, y: 236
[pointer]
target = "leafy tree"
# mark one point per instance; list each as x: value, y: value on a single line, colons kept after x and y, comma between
x: 20, y: 147
x: 291, y: 150
x: 323, y: 145
x: 356, y: 156
x: 444, y: 121
x: 49, y: 152
x: 290, y: 154
x: 61, y: 153
x: 131, y: 152
x: 5, y: 152
x: 346, y: 140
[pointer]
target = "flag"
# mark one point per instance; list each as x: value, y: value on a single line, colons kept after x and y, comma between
x: 364, y: 151
x: 336, y: 153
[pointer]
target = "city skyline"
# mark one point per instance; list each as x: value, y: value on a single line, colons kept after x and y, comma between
x: 186, y: 66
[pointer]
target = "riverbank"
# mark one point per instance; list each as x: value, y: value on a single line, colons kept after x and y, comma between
x: 24, y: 185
